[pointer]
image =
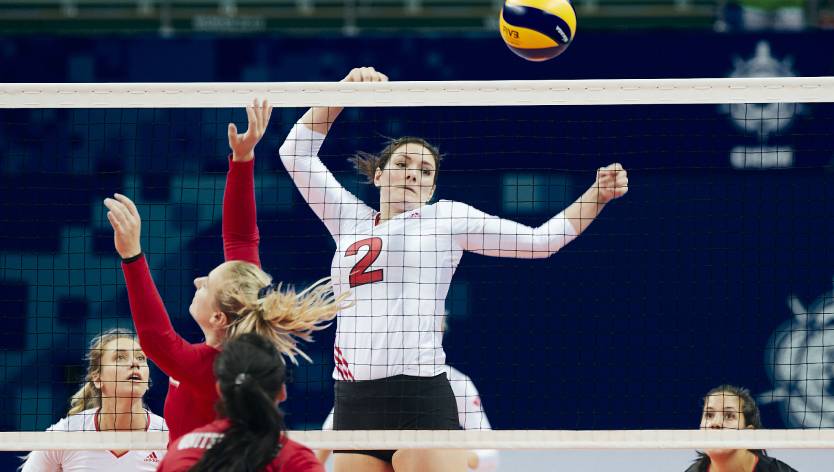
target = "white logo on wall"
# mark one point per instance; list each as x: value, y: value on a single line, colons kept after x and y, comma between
x: 764, y: 120
x: 800, y: 363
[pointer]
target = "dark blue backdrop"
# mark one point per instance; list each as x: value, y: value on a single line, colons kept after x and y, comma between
x: 676, y: 289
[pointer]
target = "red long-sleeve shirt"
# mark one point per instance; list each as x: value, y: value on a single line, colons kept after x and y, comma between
x: 183, y: 454
x: 191, y: 389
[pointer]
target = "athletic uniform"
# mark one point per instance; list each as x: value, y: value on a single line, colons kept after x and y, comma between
x: 471, y: 415
x: 189, y: 449
x: 398, y: 273
x: 764, y: 463
x: 94, y: 461
x: 191, y: 390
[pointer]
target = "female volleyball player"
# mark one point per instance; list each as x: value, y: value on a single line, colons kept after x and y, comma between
x: 110, y: 400
x: 248, y: 435
x: 398, y: 263
x: 731, y: 407
x: 234, y: 298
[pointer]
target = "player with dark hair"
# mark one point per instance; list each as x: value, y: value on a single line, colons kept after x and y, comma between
x: 398, y: 263
x: 731, y: 407
x: 249, y: 434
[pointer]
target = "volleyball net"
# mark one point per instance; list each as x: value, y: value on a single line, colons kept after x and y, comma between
x: 715, y: 268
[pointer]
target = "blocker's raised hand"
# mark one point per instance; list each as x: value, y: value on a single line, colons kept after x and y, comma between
x: 243, y: 145
x: 126, y: 223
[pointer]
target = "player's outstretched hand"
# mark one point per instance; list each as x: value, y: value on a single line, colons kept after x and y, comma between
x: 126, y: 223
x: 243, y: 145
x: 365, y: 74
x: 611, y: 183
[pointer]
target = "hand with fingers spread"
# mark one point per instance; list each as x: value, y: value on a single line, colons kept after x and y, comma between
x: 243, y: 145
x: 365, y: 74
x: 611, y: 183
x: 126, y: 223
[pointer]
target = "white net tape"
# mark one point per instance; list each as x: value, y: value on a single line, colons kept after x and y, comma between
x: 507, y: 93
x: 508, y: 439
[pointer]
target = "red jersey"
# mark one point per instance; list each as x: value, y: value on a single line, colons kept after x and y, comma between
x: 187, y: 451
x: 191, y: 389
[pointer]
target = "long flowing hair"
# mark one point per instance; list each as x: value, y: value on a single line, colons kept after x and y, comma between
x: 253, y: 304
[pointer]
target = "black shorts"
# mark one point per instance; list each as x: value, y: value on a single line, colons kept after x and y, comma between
x: 399, y: 402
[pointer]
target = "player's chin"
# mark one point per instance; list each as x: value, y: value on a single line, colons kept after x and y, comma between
x: 718, y: 452
x: 136, y: 390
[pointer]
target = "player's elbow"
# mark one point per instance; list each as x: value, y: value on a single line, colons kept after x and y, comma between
x: 287, y: 153
x: 546, y: 247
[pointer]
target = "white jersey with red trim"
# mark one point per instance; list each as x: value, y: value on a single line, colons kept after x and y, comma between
x: 398, y: 271
x: 92, y: 460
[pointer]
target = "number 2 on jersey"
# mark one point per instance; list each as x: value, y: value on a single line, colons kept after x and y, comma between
x: 360, y: 275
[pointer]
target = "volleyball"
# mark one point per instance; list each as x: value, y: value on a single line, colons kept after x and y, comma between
x: 538, y: 30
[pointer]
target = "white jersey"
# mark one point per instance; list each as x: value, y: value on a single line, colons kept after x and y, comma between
x: 94, y: 461
x: 470, y: 414
x: 399, y: 270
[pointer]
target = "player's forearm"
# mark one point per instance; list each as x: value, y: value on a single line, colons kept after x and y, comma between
x: 584, y: 210
x: 320, y: 119
x: 153, y: 327
x: 317, y: 185
x: 240, y: 216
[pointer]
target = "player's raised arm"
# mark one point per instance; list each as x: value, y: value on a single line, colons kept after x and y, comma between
x: 243, y: 145
x: 493, y: 236
x: 173, y: 354
x: 611, y: 183
x: 336, y: 207
x: 320, y: 119
x: 240, y: 216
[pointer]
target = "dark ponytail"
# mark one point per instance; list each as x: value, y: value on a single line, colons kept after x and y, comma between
x: 251, y: 374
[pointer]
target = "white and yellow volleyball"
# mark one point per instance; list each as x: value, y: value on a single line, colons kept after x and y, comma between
x: 538, y: 30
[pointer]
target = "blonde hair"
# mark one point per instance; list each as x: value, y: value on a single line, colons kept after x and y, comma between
x: 282, y: 316
x: 89, y: 396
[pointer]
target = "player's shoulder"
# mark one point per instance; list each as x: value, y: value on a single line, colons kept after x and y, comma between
x: 205, y: 356
x: 696, y: 466
x: 82, y: 421
x: 289, y: 445
x: 217, y: 426
x: 296, y: 456
x: 451, y: 208
x: 772, y: 464
x: 156, y: 422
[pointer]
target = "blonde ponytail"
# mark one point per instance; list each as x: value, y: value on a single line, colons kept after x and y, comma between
x: 281, y: 315
x: 85, y: 398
